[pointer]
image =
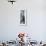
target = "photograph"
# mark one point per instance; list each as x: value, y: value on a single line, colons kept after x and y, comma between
x: 23, y: 17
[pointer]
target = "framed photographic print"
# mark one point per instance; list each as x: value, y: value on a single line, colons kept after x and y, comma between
x: 23, y: 17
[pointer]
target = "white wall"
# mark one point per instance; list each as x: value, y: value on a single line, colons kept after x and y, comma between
x: 9, y: 19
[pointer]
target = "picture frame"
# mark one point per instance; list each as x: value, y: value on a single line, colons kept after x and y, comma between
x: 23, y: 17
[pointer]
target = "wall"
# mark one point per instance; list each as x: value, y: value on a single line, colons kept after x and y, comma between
x: 36, y: 21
